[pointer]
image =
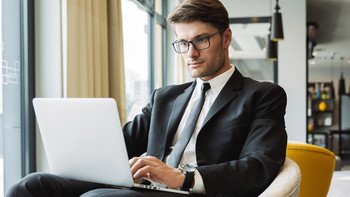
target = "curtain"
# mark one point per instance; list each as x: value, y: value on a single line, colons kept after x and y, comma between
x: 180, y: 70
x: 180, y: 63
x: 95, y: 62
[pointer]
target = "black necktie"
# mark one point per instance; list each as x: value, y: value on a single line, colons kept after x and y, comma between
x: 187, y: 132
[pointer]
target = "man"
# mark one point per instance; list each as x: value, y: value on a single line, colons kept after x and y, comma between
x: 237, y: 143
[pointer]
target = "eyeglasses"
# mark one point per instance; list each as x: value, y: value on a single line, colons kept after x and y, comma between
x: 200, y: 43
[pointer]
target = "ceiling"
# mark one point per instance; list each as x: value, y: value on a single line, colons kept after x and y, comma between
x: 333, y: 34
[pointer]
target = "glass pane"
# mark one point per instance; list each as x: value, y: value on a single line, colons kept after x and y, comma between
x: 136, y: 57
x: 247, y: 50
x: 1, y: 112
x: 10, y: 119
x: 158, y: 6
x: 1, y: 103
x: 258, y: 69
x: 158, y: 57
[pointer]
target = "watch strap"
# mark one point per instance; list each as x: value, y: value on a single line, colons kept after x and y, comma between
x: 188, y: 181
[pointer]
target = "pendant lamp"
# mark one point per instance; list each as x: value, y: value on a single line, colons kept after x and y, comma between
x: 341, y: 87
x: 277, y: 27
x: 331, y: 88
x: 331, y: 91
x: 271, y: 49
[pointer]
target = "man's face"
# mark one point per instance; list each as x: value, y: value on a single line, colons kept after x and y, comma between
x: 208, y: 63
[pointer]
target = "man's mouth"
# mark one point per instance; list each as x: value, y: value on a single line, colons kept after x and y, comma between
x: 195, y: 64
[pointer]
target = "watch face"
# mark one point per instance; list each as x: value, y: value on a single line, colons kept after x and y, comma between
x: 187, y: 167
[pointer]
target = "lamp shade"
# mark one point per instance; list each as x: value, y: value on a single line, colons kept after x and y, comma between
x: 277, y: 27
x: 271, y: 49
x: 341, y: 87
x: 331, y: 91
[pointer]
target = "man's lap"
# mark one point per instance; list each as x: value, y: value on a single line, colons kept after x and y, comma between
x: 112, y: 192
x: 45, y: 184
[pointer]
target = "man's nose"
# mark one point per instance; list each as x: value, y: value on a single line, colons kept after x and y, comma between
x: 192, y: 51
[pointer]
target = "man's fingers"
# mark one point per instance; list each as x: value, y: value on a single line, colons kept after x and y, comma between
x: 143, y: 172
x: 139, y: 162
x: 156, y: 171
x: 133, y: 160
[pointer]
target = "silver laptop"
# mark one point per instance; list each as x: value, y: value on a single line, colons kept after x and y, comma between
x: 83, y: 140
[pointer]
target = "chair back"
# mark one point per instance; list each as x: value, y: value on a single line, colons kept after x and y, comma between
x: 316, y: 164
x: 287, y: 182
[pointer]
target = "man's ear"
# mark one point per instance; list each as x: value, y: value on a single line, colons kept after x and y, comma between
x: 227, y: 37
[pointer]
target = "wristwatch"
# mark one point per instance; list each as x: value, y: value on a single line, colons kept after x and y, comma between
x: 188, y: 170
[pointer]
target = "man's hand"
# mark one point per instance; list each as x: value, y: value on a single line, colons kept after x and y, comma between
x: 154, y: 170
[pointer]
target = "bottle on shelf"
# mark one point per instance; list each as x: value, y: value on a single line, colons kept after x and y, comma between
x: 309, y: 104
x: 323, y: 92
x: 318, y: 91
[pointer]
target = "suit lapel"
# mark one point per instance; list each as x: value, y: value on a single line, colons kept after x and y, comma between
x: 227, y: 94
x: 177, y: 113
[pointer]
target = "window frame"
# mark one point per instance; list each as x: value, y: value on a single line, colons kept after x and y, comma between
x: 25, y: 162
x: 154, y: 17
x: 28, y: 129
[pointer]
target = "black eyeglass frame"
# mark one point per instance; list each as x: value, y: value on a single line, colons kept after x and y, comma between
x: 194, y: 45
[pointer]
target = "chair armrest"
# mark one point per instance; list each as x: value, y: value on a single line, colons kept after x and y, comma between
x: 287, y: 182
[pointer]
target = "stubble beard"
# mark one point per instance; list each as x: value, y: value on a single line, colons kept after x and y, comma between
x: 211, y: 70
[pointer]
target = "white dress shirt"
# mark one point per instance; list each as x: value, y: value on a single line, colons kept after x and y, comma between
x: 189, y: 155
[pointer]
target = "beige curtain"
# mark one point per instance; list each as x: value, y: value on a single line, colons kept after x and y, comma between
x: 180, y: 63
x: 95, y: 62
x: 180, y: 69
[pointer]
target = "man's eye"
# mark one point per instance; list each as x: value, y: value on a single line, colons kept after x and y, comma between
x: 182, y: 44
x: 200, y: 40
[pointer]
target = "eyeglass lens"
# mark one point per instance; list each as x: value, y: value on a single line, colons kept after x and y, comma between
x: 198, y: 43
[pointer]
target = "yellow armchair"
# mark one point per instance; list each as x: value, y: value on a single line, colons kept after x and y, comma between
x: 316, y: 165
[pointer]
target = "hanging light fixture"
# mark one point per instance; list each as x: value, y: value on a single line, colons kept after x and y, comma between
x: 331, y: 89
x: 271, y: 46
x: 277, y: 27
x: 271, y: 49
x: 341, y: 87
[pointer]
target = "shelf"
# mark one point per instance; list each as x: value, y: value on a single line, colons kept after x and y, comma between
x: 320, y: 117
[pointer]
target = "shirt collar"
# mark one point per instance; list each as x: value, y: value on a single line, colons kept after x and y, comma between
x: 218, y: 82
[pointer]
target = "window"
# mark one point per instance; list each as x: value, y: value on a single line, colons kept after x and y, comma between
x: 16, y: 116
x: 136, y: 57
x: 144, y: 51
x: 248, y: 48
x: 1, y: 112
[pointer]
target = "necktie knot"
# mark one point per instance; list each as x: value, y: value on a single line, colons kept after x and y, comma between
x: 205, y: 87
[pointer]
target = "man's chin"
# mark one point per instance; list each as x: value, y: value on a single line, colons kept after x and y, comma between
x: 195, y: 74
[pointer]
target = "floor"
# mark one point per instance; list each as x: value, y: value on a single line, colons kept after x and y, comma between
x: 345, y: 163
x: 341, y: 180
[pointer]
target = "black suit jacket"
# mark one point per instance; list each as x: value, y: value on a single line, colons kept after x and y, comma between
x: 241, y: 145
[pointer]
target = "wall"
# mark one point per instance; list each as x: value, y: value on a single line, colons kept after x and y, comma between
x: 292, y: 55
x: 292, y: 69
x: 48, y: 60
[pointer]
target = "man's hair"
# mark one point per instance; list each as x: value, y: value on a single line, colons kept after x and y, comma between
x: 207, y: 11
